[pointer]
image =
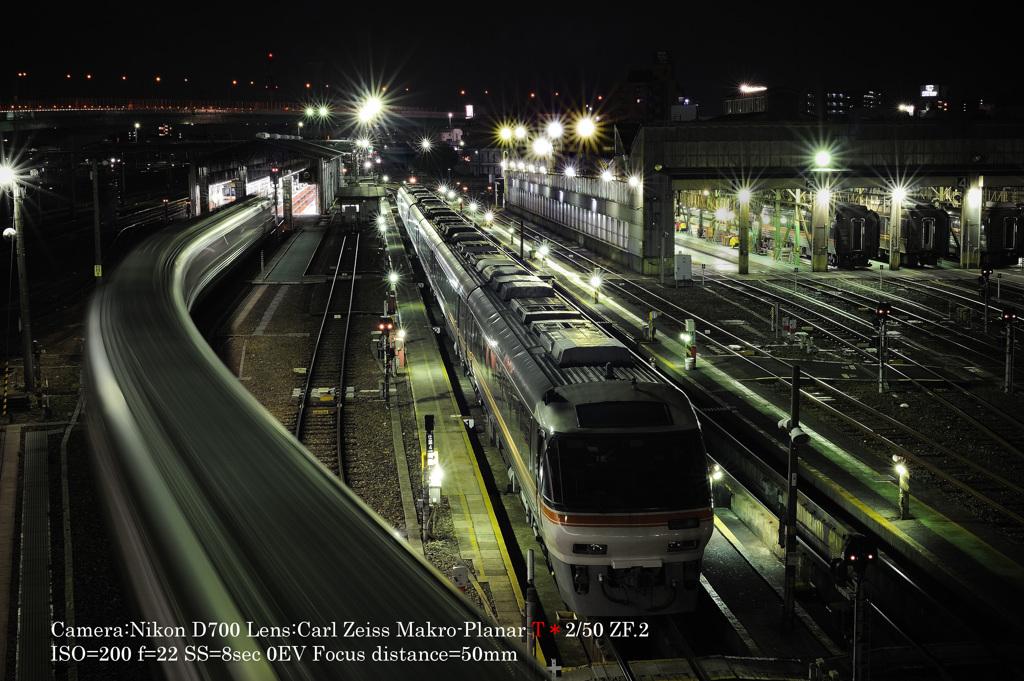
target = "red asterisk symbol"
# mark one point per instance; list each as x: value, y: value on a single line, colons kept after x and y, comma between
x: 555, y: 628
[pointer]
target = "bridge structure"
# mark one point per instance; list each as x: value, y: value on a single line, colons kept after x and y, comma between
x: 744, y: 165
x: 116, y: 114
x: 234, y: 149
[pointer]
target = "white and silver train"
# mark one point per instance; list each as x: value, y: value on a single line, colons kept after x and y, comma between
x: 608, y: 459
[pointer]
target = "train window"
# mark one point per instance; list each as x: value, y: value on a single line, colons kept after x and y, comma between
x: 627, y: 473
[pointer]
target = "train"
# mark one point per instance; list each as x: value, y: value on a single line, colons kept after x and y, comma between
x: 607, y: 457
x: 853, y: 236
x: 923, y: 236
x: 927, y: 234
x: 1002, y: 235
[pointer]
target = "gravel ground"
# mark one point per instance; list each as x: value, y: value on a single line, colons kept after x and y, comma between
x: 900, y: 401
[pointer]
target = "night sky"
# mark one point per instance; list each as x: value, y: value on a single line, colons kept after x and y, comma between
x: 497, y: 54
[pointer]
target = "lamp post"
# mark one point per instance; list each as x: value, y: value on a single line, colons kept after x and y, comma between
x: 904, y: 483
x: 797, y: 437
x: 744, y: 231
x: 7, y: 177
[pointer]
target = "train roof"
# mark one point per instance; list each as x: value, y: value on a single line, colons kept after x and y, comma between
x: 613, y: 405
x: 546, y: 343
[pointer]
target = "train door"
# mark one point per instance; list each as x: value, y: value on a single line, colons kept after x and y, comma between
x: 927, y: 234
x: 857, y: 234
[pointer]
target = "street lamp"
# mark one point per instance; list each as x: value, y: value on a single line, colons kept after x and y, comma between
x: 8, y: 177
x: 904, y: 483
x: 595, y: 282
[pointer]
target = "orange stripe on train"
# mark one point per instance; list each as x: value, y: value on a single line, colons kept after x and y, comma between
x: 604, y: 520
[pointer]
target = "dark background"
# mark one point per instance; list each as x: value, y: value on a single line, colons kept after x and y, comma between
x: 498, y: 55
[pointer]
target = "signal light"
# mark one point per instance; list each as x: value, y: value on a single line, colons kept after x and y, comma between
x: 1009, y: 314
x: 884, y: 309
x: 859, y: 552
x: 986, y: 271
x: 385, y: 324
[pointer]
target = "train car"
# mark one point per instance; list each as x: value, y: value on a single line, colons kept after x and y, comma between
x: 923, y: 234
x: 1002, y: 241
x: 853, y: 236
x: 608, y: 459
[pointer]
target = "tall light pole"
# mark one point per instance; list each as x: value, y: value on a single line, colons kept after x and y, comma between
x: 7, y: 176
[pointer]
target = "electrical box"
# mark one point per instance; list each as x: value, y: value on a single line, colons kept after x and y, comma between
x: 683, y: 267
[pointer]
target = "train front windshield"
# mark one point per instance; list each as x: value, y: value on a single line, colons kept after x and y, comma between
x: 628, y: 473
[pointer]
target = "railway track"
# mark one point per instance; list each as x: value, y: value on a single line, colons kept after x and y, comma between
x: 317, y: 424
x: 981, y: 457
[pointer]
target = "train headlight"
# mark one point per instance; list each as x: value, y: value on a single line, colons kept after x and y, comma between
x: 590, y: 549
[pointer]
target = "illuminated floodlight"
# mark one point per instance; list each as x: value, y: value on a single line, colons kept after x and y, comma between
x: 555, y: 130
x: 570, y: 171
x: 595, y: 280
x: 974, y: 195
x: 489, y: 217
x: 824, y: 195
x: 382, y: 223
x: 586, y: 127
x: 542, y: 147
x: 520, y: 132
x: 607, y: 176
x: 472, y: 206
x: 506, y: 134
x: 6, y: 175
x: 370, y: 108
x: 899, y: 193
x: 744, y: 195
x: 425, y: 144
x: 436, y: 475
